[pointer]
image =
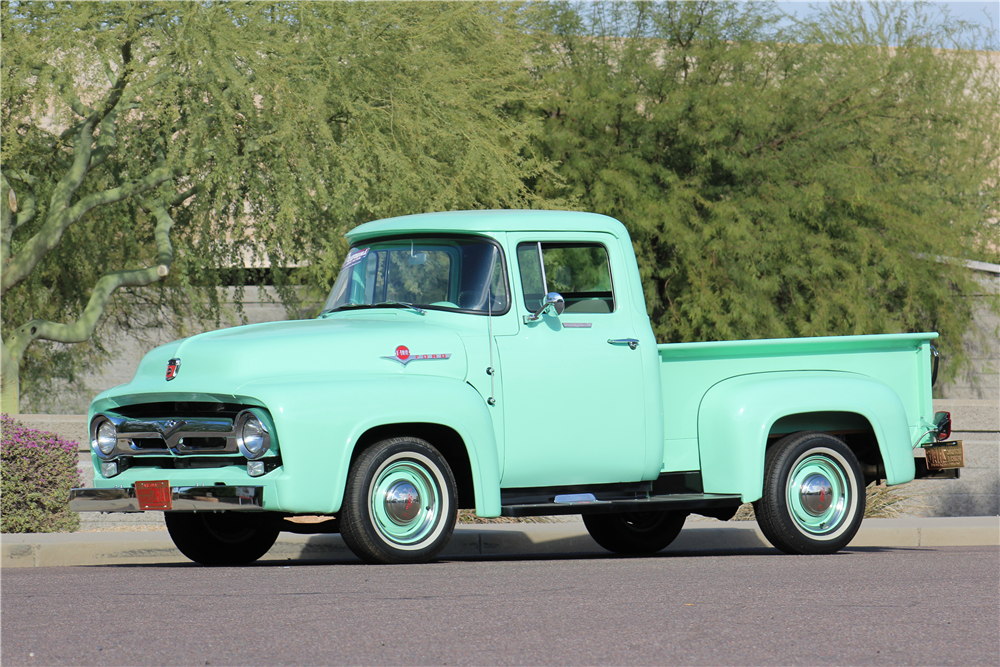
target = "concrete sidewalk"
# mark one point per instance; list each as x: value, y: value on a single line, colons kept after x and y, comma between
x: 527, y: 539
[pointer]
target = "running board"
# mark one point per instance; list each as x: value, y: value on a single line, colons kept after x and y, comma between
x: 671, y: 502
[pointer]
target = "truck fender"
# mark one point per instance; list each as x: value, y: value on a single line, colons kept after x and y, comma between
x: 735, y: 417
x: 320, y: 417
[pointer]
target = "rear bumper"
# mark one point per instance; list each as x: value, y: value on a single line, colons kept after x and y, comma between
x: 185, y: 498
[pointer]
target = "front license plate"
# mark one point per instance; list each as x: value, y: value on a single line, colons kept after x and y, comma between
x: 945, y: 455
x: 154, y: 495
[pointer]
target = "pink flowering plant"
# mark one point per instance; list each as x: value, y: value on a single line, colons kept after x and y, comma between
x: 37, y: 470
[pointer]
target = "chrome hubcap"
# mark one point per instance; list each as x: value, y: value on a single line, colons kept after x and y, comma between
x: 402, y: 502
x: 816, y: 494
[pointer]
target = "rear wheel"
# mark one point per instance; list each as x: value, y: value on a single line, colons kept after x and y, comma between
x: 814, y: 494
x: 221, y: 538
x: 635, y: 532
x: 400, y: 503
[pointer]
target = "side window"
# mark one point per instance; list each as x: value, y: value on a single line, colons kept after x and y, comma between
x: 532, y: 282
x: 580, y: 272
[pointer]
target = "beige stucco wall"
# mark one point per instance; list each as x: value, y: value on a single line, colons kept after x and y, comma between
x: 981, y: 381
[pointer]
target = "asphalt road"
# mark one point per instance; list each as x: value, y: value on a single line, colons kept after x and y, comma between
x: 866, y: 606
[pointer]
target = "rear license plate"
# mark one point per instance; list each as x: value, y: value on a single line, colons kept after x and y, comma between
x: 945, y: 455
x: 154, y: 495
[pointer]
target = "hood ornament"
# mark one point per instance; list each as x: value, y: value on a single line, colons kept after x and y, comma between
x: 173, y: 366
x: 404, y: 356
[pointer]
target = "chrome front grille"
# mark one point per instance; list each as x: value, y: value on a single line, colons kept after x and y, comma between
x: 140, y: 444
x: 179, y: 436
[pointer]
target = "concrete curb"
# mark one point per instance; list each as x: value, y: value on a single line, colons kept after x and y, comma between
x: 524, y: 540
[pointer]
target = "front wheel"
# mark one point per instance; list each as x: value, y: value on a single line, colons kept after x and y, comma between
x: 400, y: 503
x: 635, y: 532
x: 221, y: 538
x: 814, y: 494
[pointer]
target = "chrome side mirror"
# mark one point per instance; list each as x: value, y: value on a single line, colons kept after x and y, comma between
x: 554, y: 303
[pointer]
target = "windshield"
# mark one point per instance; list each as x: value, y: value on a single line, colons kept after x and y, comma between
x: 464, y: 274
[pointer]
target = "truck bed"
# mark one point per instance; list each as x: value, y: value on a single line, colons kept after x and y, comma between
x: 689, y: 370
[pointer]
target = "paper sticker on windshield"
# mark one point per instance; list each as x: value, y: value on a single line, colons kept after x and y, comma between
x: 404, y: 356
x: 355, y: 256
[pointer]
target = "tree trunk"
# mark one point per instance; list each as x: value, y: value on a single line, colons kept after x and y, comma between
x: 10, y: 396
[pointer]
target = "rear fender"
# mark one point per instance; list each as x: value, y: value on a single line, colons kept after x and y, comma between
x: 736, y: 415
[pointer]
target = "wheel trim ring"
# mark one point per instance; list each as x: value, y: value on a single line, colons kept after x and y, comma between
x: 420, y: 471
x: 829, y: 522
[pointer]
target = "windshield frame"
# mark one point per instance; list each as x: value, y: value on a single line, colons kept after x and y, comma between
x: 477, y: 238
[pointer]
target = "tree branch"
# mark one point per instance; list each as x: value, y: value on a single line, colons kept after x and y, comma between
x: 27, y: 213
x: 85, y: 130
x: 82, y: 149
x: 118, y: 90
x: 21, y: 266
x: 777, y: 143
x: 65, y: 91
x: 6, y: 222
x: 23, y: 176
x: 153, y: 179
x: 107, y: 142
x: 184, y: 196
x: 83, y: 328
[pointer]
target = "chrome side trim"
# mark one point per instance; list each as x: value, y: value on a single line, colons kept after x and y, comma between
x: 187, y: 498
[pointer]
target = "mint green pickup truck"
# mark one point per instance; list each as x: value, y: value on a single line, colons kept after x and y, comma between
x: 504, y: 361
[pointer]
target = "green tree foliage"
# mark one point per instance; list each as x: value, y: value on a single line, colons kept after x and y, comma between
x: 158, y: 144
x: 796, y: 183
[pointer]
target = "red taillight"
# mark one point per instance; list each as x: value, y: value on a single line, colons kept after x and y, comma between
x: 942, y: 422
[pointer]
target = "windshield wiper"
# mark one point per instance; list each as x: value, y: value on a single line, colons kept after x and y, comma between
x: 394, y: 304
x: 345, y: 306
x: 383, y: 304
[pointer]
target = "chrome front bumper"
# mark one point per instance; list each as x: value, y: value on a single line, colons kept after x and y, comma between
x: 186, y: 498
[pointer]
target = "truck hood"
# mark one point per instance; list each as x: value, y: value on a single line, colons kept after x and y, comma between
x: 222, y: 361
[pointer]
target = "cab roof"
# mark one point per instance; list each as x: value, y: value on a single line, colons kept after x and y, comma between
x: 488, y: 222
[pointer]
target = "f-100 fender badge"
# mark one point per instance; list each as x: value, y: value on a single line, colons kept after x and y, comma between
x: 173, y: 366
x: 404, y: 356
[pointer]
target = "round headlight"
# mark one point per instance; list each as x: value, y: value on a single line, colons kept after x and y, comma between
x: 107, y: 437
x: 254, y: 439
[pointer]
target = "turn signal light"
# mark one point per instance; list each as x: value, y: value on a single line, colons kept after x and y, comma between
x: 942, y: 420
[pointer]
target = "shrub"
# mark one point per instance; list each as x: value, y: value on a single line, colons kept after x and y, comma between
x: 37, y: 470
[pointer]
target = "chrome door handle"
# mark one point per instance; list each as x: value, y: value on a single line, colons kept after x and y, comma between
x: 631, y: 342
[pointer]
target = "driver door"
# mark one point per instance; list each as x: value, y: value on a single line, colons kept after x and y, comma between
x: 573, y: 402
